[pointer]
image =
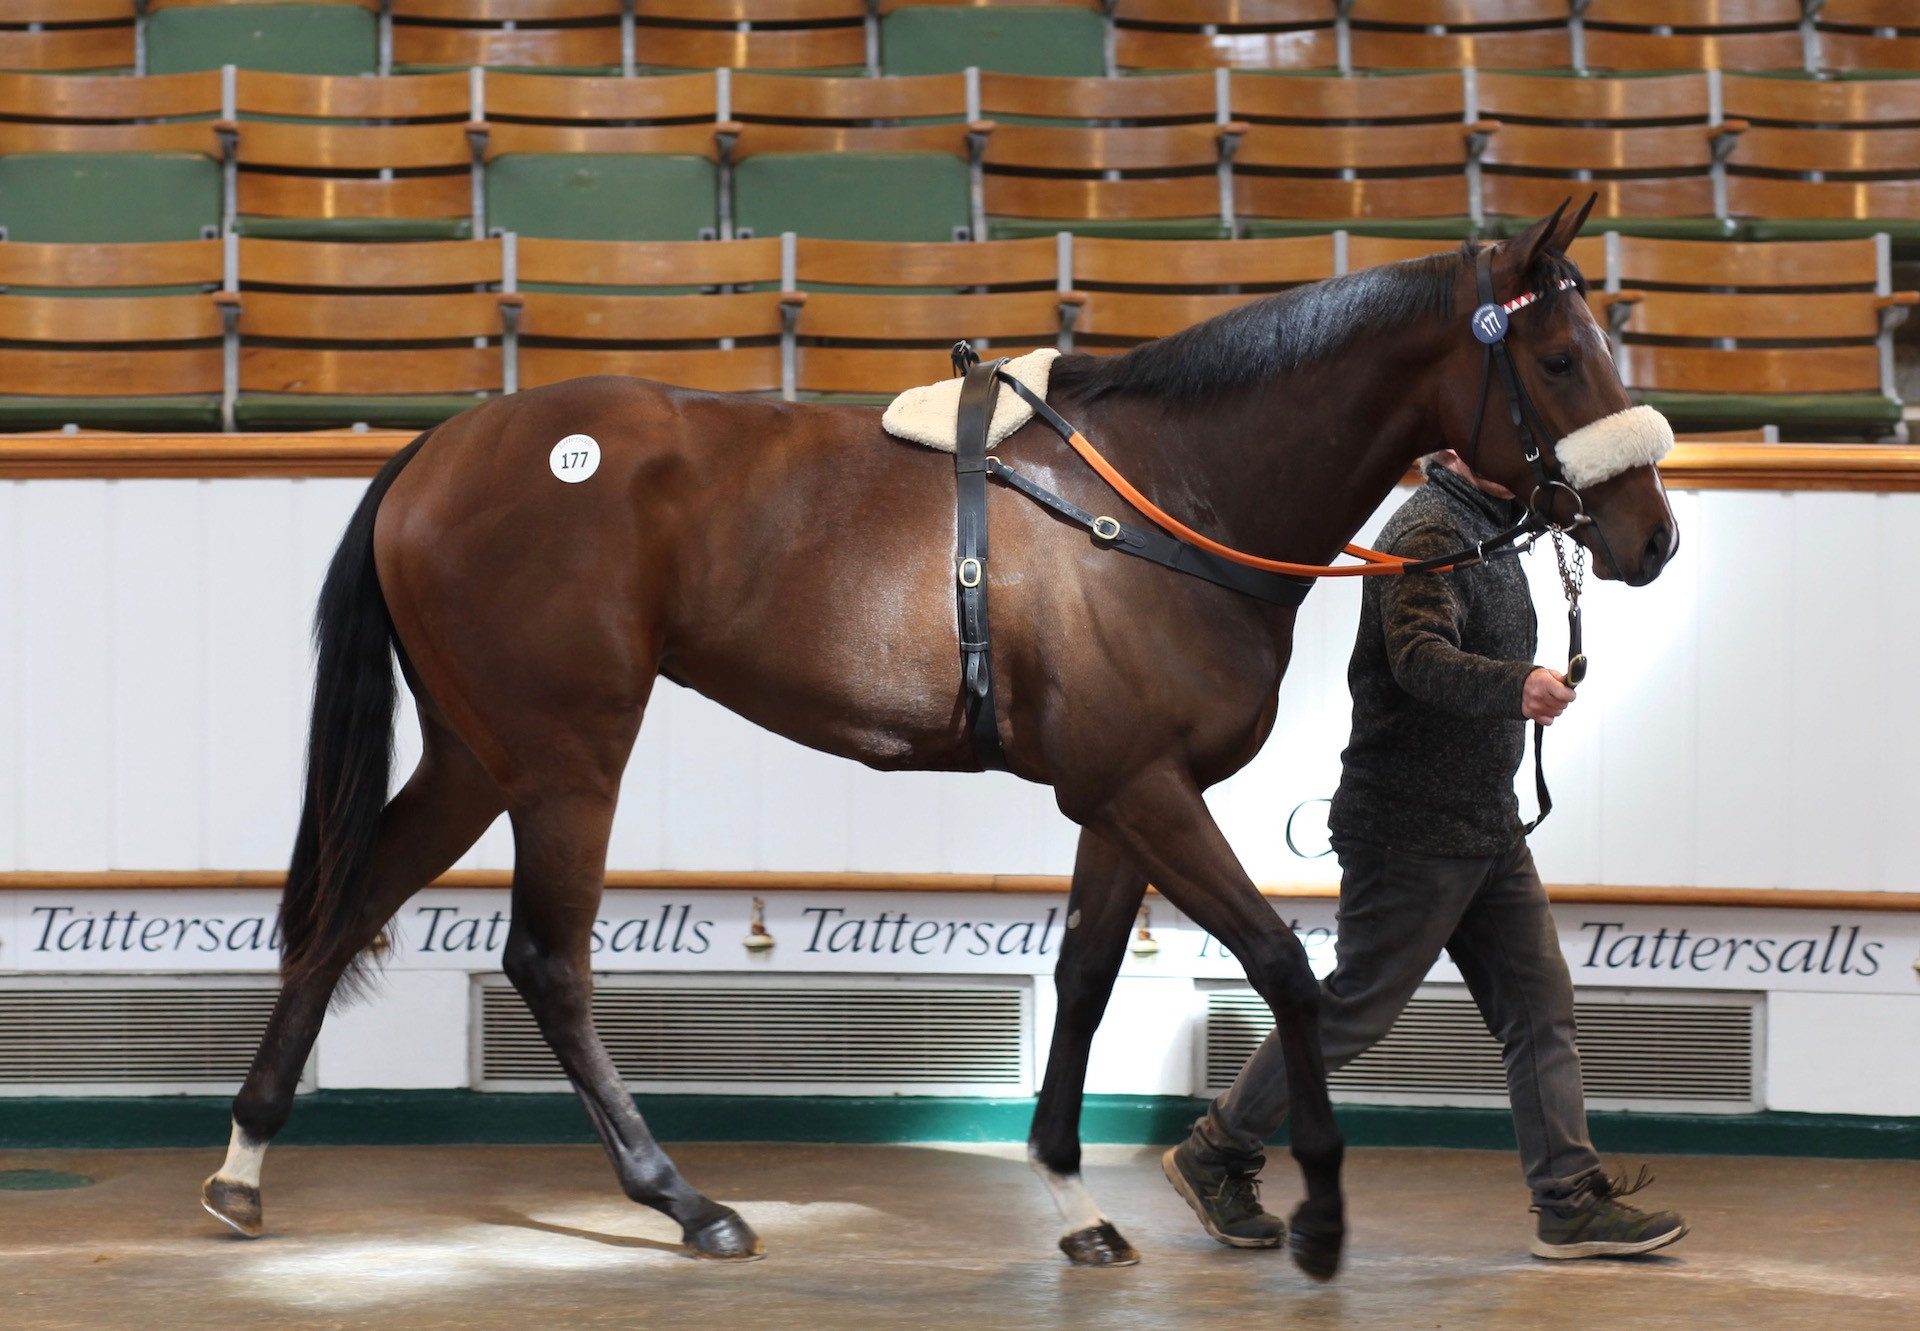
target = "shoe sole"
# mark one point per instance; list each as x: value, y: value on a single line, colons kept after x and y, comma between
x: 1185, y: 1189
x: 1600, y: 1248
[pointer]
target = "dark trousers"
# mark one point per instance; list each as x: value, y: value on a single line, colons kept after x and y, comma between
x: 1397, y: 911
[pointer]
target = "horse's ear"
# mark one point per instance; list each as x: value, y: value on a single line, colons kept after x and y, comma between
x: 1525, y: 249
x: 1570, y: 231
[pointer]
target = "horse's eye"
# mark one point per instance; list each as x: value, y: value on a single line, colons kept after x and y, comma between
x: 1558, y: 364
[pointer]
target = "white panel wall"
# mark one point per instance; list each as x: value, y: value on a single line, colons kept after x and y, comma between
x: 413, y: 1035
x: 1843, y: 1053
x: 1748, y: 720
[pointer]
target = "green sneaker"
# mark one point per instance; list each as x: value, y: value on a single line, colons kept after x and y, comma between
x: 1592, y: 1221
x: 1226, y: 1197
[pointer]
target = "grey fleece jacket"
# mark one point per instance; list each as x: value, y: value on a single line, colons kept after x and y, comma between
x: 1436, y: 677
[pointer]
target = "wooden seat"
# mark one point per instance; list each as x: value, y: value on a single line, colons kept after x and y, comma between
x: 1458, y: 34
x: 1693, y: 34
x: 567, y: 34
x: 881, y: 101
x: 1821, y: 103
x: 1826, y: 158
x: 1648, y: 146
x: 890, y: 312
x: 400, y: 335
x: 1321, y: 153
x: 559, y: 113
x: 83, y: 113
x: 700, y: 314
x: 1143, y: 155
x: 109, y: 158
x: 1144, y: 99
x: 892, y: 158
x: 752, y: 34
x: 82, y: 351
x: 1797, y: 334
x: 1140, y: 289
x: 325, y: 155
x: 1232, y: 34
x: 1588, y: 252
x: 1869, y: 35
x: 1660, y: 264
x: 56, y: 35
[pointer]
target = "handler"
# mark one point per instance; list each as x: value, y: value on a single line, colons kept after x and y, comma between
x: 1433, y: 855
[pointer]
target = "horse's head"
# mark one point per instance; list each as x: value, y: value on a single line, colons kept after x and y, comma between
x: 1595, y: 470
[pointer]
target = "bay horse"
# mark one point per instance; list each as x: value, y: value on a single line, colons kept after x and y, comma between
x: 794, y: 564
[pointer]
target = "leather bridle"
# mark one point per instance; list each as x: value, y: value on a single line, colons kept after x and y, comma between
x: 1490, y: 323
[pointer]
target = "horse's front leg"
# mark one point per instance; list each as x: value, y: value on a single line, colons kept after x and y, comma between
x: 1161, y: 822
x: 1105, y: 896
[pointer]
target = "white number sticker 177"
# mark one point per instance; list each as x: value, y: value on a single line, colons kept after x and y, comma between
x: 575, y: 458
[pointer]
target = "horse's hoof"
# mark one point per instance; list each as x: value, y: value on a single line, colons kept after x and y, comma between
x: 235, y: 1205
x: 728, y: 1239
x: 1316, y: 1251
x: 1098, y: 1245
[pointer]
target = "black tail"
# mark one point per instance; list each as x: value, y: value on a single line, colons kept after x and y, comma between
x: 349, y: 750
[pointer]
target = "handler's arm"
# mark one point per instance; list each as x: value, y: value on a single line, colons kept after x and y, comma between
x: 1422, y: 616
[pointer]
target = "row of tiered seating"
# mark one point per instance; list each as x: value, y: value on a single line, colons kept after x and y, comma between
x: 271, y: 333
x: 913, y: 37
x: 933, y: 157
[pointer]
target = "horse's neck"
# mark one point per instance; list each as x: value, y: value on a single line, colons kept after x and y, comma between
x: 1289, y: 469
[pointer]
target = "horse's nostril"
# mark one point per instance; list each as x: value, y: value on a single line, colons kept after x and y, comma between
x: 1659, y: 551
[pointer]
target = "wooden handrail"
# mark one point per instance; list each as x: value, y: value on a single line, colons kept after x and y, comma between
x: 1873, y: 468
x: 690, y: 880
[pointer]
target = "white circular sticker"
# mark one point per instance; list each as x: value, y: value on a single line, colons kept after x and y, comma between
x: 575, y: 458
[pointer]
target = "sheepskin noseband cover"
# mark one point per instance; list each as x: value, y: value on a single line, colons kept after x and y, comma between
x: 1601, y: 450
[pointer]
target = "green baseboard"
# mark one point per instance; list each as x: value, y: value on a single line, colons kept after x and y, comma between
x: 393, y: 1118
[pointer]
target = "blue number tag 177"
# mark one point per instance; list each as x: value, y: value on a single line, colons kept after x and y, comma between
x: 1489, y: 324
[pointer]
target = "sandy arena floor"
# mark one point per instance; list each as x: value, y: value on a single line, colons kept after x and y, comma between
x: 532, y: 1238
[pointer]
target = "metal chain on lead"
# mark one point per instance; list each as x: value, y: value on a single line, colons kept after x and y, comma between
x: 1574, y: 577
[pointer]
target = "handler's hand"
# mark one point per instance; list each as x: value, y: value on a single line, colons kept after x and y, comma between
x: 1545, y: 695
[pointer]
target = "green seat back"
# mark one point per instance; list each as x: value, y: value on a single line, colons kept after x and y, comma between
x: 104, y: 197
x: 188, y: 412
x: 301, y: 411
x: 853, y: 196
x: 1799, y: 415
x: 292, y: 39
x: 602, y: 196
x: 1903, y: 231
x: 354, y: 229
x: 940, y: 40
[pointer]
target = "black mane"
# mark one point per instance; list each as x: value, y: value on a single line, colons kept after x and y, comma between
x: 1291, y: 329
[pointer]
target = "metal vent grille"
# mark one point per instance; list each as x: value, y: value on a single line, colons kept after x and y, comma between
x: 775, y: 1038
x: 139, y: 1037
x: 1664, y: 1052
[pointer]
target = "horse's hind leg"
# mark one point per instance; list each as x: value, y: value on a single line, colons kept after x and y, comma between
x: 1162, y: 821
x: 442, y: 810
x: 1106, y: 894
x: 560, y: 853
